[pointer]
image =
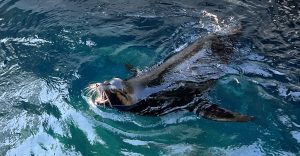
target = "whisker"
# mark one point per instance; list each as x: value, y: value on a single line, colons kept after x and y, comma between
x: 85, y: 90
x: 97, y: 94
x: 108, y: 100
x: 90, y: 92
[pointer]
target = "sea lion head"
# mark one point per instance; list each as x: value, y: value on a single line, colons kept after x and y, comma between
x: 114, y: 92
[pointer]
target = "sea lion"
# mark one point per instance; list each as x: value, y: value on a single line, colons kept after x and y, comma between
x: 150, y: 93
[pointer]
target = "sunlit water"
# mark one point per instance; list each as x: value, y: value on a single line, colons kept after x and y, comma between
x: 51, y: 49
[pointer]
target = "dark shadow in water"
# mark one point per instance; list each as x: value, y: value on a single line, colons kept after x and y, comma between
x: 39, y: 109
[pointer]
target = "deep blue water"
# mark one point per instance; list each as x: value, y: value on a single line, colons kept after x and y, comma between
x: 51, y: 49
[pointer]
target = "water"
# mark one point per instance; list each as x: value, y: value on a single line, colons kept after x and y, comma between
x: 50, y: 50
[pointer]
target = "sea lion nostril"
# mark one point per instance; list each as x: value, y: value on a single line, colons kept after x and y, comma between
x: 150, y: 93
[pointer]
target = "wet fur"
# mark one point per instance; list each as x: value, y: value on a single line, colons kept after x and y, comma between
x: 182, y: 95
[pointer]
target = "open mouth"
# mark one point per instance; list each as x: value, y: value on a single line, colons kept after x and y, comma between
x: 97, y: 92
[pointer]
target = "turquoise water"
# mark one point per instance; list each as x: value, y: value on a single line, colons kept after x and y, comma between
x: 50, y: 50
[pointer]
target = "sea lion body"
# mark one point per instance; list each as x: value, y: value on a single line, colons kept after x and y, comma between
x: 159, y: 91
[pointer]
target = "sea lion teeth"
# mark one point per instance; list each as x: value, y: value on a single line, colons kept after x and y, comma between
x: 149, y: 94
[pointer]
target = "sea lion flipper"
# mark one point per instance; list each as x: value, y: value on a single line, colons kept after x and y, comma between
x: 214, y: 112
x: 130, y: 68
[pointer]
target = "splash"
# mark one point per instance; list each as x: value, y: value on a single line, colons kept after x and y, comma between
x: 214, y: 25
x: 29, y: 41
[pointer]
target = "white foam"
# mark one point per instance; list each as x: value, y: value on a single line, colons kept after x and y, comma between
x: 29, y: 41
x: 41, y: 144
x: 179, y: 149
x: 295, y: 96
x: 282, y: 90
x: 86, y: 126
x: 136, y: 142
x: 181, y: 47
x: 254, y: 149
x: 276, y: 72
x: 251, y: 68
x: 296, y: 135
x: 175, y: 118
x: 55, y: 96
x: 90, y: 43
x: 215, y: 25
x: 285, y: 120
x: 55, y: 124
x: 18, y: 123
x: 130, y: 153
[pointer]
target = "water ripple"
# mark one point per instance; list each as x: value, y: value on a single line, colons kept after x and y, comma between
x: 50, y: 50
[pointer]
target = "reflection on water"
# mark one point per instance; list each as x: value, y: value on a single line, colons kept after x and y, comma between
x: 50, y: 50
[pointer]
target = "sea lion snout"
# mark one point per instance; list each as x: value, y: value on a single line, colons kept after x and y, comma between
x: 114, y: 84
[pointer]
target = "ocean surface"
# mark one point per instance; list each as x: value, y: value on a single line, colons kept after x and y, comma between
x: 50, y: 50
